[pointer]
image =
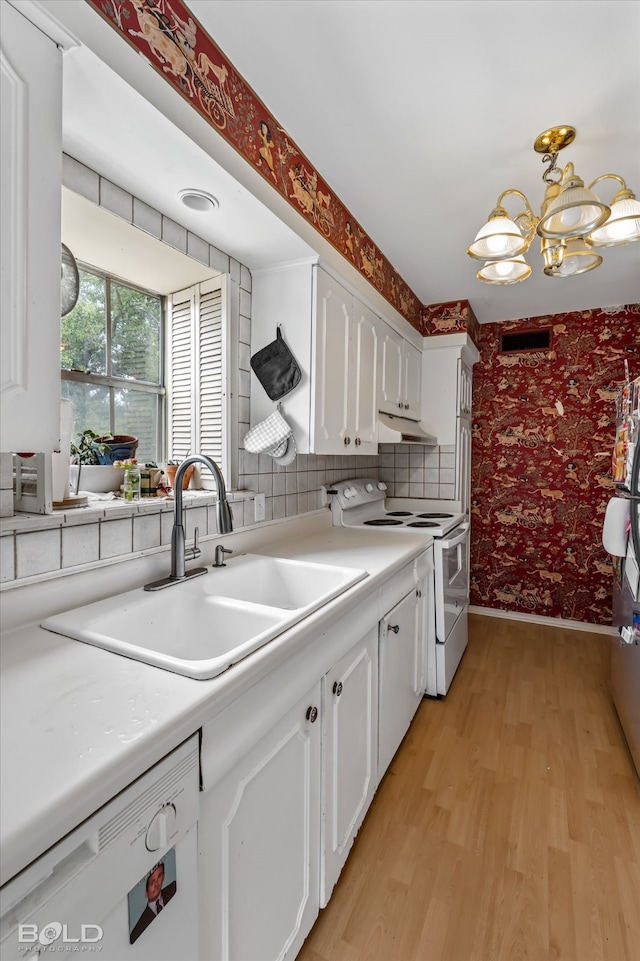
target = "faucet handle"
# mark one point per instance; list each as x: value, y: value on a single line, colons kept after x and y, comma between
x: 220, y: 552
x: 193, y: 552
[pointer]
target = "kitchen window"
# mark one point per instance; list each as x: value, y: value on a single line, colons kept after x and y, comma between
x: 121, y: 379
x: 112, y: 360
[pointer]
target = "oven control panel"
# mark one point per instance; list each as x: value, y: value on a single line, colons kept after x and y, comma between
x: 353, y: 493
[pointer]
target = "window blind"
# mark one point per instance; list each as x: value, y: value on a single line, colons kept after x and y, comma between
x: 197, y: 409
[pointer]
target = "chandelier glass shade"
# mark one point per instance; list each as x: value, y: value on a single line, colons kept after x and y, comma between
x: 573, y: 219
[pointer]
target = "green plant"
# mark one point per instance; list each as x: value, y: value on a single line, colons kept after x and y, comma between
x: 86, y: 450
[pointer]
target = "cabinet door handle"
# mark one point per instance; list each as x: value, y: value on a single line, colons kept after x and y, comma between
x: 394, y: 627
x: 312, y: 714
x: 337, y: 688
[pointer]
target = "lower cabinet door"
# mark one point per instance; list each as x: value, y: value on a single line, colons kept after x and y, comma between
x: 398, y: 667
x: 350, y: 751
x: 259, y: 844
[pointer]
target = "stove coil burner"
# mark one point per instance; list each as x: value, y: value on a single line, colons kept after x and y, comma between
x: 435, y: 515
x: 399, y: 513
x: 423, y: 524
x: 383, y: 522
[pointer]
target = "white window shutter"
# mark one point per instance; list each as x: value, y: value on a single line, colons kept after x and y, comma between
x: 198, y: 407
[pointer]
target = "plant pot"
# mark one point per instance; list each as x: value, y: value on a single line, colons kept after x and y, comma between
x: 170, y: 471
x: 118, y: 447
x: 96, y: 479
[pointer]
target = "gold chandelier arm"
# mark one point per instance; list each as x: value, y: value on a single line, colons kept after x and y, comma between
x: 526, y: 219
x: 518, y: 193
x: 608, y: 177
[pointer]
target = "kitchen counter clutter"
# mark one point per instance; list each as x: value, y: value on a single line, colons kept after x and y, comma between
x: 80, y: 723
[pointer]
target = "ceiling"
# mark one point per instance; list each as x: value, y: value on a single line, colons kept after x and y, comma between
x: 417, y: 114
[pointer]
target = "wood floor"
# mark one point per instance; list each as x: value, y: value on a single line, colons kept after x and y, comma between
x: 508, y: 825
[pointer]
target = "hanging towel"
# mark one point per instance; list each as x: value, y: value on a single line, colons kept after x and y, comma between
x: 270, y: 436
x: 276, y: 368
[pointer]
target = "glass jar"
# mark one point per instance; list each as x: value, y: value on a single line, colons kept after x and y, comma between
x: 131, y: 486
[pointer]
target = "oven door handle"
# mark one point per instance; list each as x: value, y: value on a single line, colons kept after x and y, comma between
x: 455, y: 540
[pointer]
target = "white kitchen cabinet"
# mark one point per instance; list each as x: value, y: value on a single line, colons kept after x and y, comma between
x: 334, y: 338
x: 259, y: 842
x: 30, y: 224
x: 447, y: 389
x: 400, y: 376
x: 344, y: 411
x: 401, y: 670
x: 350, y: 753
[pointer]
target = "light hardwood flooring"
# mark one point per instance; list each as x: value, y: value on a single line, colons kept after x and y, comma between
x: 508, y: 825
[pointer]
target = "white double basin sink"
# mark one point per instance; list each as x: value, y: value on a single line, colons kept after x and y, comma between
x: 203, y: 625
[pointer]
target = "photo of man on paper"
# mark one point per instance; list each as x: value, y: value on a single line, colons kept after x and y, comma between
x: 157, y: 889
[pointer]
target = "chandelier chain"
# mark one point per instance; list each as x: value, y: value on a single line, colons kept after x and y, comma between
x: 550, y: 158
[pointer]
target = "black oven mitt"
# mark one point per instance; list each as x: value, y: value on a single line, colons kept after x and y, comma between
x: 276, y: 368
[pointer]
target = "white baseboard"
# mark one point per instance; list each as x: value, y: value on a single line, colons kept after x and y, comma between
x: 544, y: 621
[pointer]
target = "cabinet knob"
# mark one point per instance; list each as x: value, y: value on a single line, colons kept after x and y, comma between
x: 418, y: 593
x: 406, y: 407
x: 358, y: 441
x: 400, y: 405
x: 347, y: 441
x: 394, y: 627
x: 312, y: 714
x: 337, y: 688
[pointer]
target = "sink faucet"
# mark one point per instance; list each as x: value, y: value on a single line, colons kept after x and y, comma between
x: 223, y: 520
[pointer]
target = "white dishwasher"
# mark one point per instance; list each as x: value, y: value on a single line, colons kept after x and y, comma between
x: 123, y: 885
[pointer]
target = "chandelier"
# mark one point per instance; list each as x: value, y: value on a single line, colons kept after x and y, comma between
x: 573, y: 222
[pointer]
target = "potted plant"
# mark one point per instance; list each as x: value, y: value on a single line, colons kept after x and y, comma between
x: 170, y: 471
x: 88, y: 472
x: 113, y: 447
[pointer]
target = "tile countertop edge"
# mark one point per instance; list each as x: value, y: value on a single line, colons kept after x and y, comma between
x: 91, y: 722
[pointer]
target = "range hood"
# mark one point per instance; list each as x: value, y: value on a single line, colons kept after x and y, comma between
x: 401, y: 430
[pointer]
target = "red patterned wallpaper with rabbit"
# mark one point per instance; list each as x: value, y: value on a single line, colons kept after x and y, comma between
x: 543, y: 430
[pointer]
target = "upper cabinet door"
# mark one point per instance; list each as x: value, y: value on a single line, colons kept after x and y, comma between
x: 332, y: 349
x: 412, y: 368
x: 391, y: 372
x: 31, y: 129
x: 400, y: 377
x: 365, y: 349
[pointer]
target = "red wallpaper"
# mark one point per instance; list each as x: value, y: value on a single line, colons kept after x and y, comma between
x: 179, y: 48
x: 543, y: 431
x: 452, y: 317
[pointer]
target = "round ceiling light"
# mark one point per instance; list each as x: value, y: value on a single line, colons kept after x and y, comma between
x: 199, y: 200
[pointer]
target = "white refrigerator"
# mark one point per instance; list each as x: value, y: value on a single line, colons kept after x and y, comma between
x: 621, y: 538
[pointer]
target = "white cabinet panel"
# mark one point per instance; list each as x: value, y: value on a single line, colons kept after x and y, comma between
x: 344, y: 362
x: 259, y: 843
x: 412, y: 368
x: 30, y: 249
x: 400, y: 658
x: 350, y: 753
x: 400, y: 376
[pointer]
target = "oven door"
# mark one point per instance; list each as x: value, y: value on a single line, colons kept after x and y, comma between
x: 452, y: 579
x: 452, y: 597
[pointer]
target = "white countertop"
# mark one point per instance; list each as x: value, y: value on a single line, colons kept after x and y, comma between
x: 79, y: 723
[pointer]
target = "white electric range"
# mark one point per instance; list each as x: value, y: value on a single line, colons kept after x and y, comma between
x: 362, y: 503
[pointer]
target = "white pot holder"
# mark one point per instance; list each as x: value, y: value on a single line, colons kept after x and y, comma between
x: 289, y: 455
x: 270, y: 436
